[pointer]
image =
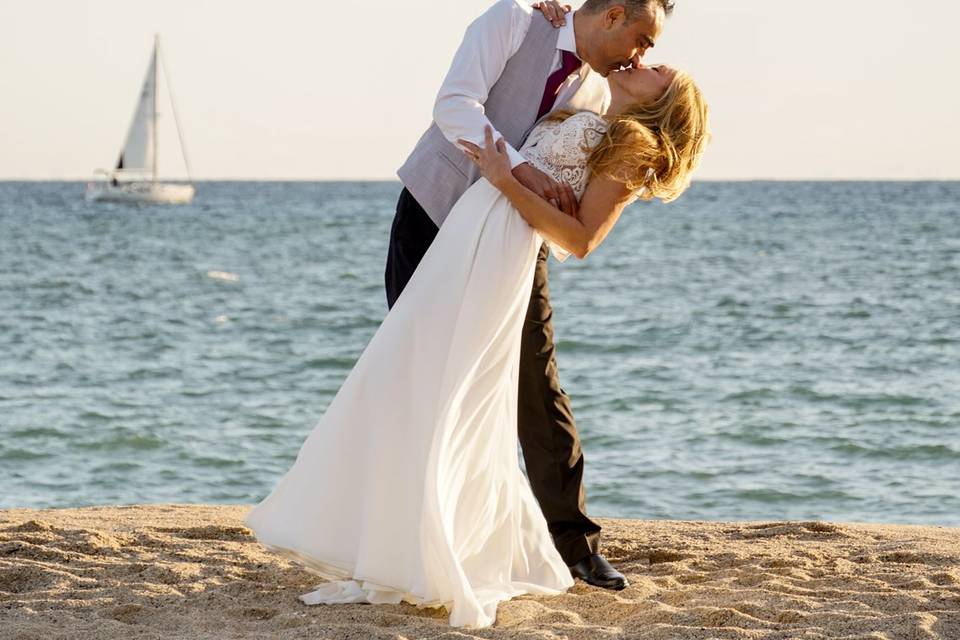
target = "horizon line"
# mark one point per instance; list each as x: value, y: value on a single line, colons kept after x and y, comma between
x: 397, y: 180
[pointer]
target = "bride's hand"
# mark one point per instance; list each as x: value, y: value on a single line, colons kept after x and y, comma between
x: 492, y: 158
x: 553, y: 11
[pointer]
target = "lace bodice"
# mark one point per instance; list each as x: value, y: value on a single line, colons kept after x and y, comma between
x: 560, y: 149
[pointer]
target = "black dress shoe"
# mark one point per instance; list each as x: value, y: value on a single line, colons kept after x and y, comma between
x: 595, y: 570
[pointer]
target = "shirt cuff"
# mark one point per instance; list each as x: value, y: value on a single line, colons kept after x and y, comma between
x: 558, y: 252
x: 515, y: 157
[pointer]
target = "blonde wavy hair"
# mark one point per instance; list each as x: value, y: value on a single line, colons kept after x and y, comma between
x: 658, y: 145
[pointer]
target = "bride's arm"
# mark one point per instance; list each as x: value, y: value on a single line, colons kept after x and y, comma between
x: 603, y: 201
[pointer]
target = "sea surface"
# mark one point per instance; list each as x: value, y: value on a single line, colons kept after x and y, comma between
x: 753, y: 351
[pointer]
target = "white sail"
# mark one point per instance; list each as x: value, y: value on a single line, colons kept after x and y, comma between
x: 138, y: 150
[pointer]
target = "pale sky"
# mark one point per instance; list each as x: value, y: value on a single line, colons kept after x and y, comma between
x: 326, y: 89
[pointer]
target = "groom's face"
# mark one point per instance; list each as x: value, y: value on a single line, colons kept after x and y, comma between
x: 622, y: 43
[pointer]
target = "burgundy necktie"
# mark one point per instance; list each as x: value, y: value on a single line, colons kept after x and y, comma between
x: 568, y: 64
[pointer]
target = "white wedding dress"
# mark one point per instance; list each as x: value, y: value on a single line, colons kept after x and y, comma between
x: 409, y: 488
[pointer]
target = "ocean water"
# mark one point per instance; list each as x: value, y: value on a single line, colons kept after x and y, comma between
x: 752, y: 351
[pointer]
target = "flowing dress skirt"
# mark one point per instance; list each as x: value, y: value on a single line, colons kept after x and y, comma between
x: 409, y: 487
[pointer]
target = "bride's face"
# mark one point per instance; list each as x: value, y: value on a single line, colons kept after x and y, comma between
x: 640, y: 85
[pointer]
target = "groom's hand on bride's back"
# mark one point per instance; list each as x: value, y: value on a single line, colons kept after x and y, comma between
x: 558, y: 194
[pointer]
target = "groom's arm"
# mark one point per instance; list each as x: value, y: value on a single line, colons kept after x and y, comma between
x: 487, y: 45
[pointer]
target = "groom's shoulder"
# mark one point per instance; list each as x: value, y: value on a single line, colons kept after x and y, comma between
x: 518, y: 5
x: 510, y: 9
x: 505, y: 16
x: 514, y: 5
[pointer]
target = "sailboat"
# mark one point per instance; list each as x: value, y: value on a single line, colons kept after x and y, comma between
x: 134, y: 178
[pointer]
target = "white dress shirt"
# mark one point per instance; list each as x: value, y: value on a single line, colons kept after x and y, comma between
x: 487, y: 45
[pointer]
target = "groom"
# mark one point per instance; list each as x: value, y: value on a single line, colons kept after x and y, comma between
x: 511, y: 68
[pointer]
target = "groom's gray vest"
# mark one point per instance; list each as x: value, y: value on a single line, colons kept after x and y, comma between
x: 437, y: 173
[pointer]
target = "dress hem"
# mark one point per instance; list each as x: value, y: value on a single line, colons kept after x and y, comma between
x: 335, y: 572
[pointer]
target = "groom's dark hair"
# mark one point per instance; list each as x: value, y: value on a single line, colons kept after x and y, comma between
x: 633, y: 7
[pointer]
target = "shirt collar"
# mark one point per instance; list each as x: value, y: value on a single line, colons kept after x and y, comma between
x: 566, y: 40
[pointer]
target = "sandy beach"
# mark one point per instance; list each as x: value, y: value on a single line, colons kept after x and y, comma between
x: 194, y: 571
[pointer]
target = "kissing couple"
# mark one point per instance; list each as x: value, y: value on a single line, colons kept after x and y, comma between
x: 409, y: 488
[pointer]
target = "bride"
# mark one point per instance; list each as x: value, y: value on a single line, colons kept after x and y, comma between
x: 409, y: 488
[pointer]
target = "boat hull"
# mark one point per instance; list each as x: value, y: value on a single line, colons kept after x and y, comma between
x: 141, y: 192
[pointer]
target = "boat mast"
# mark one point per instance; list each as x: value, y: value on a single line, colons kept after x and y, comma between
x: 156, y: 88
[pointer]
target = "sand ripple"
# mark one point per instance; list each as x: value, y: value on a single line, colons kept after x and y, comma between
x: 194, y: 571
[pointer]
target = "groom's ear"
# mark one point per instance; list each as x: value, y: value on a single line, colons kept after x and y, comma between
x: 615, y: 15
